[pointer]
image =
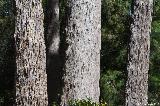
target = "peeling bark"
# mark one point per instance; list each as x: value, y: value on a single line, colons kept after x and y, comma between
x: 82, y: 64
x: 139, y: 50
x: 31, y: 77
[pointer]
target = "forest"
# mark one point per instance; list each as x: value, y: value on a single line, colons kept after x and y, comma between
x: 79, y: 52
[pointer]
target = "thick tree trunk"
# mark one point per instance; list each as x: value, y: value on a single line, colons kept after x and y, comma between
x: 82, y: 64
x: 138, y: 58
x: 31, y: 78
x: 53, y: 56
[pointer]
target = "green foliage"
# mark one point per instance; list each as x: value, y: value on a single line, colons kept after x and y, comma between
x: 155, y: 27
x: 7, y: 64
x: 84, y: 103
x: 114, y: 15
x: 156, y: 10
x: 112, y: 87
x: 6, y: 8
x: 115, y: 31
x: 154, y: 73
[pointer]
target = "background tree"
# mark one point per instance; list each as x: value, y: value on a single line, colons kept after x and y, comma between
x: 54, y: 60
x: 139, y: 50
x: 114, y: 52
x: 115, y: 30
x: 31, y: 78
x: 154, y: 74
x: 83, y: 37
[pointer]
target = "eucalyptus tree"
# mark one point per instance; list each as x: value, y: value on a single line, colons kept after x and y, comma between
x: 139, y: 50
x: 83, y: 43
x: 31, y: 77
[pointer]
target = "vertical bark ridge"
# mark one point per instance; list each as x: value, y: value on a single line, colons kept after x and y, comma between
x: 31, y: 78
x: 139, y: 50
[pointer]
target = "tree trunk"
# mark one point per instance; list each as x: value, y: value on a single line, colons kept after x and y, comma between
x: 31, y: 77
x: 53, y: 55
x: 83, y: 40
x: 139, y: 50
x: 53, y: 36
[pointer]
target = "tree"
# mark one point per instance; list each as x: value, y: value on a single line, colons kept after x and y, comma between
x: 115, y: 28
x: 138, y: 57
x: 31, y: 77
x: 83, y: 41
x: 53, y: 38
x: 53, y: 55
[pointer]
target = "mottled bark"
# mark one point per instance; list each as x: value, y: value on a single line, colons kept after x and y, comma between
x: 139, y: 50
x: 82, y: 64
x: 31, y: 78
x: 53, y: 56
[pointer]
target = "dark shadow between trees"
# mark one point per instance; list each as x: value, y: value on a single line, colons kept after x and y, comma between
x: 7, y: 54
x: 55, y: 60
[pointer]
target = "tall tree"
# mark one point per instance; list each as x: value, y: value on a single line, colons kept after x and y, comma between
x: 139, y: 50
x: 31, y: 77
x: 53, y: 55
x: 83, y: 40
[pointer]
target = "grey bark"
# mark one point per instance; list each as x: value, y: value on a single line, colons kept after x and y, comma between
x: 139, y: 50
x: 82, y: 64
x: 31, y: 77
x: 53, y: 56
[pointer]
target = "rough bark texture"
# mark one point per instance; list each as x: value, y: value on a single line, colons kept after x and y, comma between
x: 31, y: 77
x: 138, y: 58
x: 82, y: 64
x: 53, y: 56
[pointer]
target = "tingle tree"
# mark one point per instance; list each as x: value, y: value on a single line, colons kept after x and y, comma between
x: 82, y: 60
x: 139, y: 50
x: 31, y: 77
